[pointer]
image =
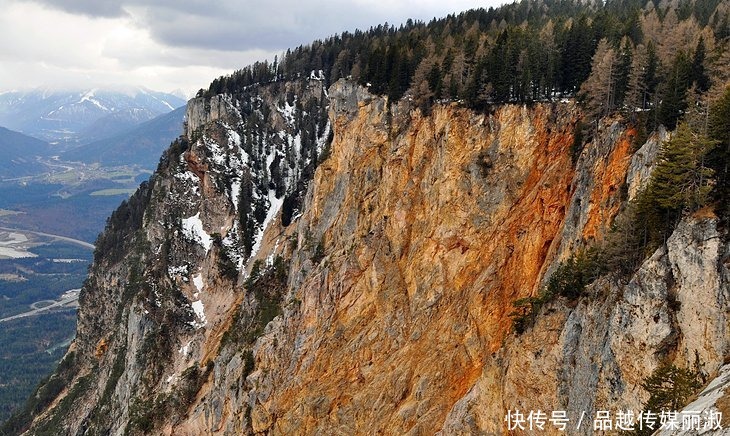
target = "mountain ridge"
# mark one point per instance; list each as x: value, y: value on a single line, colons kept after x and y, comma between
x: 139, y: 145
x: 65, y: 117
x: 20, y: 153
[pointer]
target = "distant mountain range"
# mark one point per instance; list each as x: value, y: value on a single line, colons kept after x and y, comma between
x: 67, y: 119
x: 142, y: 145
x: 20, y: 154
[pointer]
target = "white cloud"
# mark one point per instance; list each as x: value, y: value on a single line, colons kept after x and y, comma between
x: 171, y: 44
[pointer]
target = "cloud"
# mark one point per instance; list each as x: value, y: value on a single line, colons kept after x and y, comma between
x: 97, y: 8
x: 146, y: 41
x: 246, y: 25
x: 93, y: 51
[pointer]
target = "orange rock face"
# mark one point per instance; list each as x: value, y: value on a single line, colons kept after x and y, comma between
x: 432, y: 230
x: 610, y: 176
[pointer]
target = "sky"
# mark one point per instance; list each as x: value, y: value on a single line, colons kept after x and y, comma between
x: 175, y: 45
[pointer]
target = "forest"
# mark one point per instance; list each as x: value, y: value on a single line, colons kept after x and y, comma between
x: 652, y: 53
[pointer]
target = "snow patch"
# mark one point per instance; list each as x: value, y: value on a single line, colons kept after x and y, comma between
x: 235, y: 193
x: 193, y: 230
x: 270, y: 158
x: 297, y: 144
x: 199, y: 310
x: 89, y: 96
x: 198, y: 282
x: 705, y: 403
x: 169, y: 106
x: 270, y: 258
x: 322, y: 141
x: 231, y: 245
x: 185, y: 348
x: 233, y: 138
x: 218, y: 156
x: 158, y: 301
x: 181, y: 270
x: 190, y: 179
x: 274, y: 206
x: 288, y: 112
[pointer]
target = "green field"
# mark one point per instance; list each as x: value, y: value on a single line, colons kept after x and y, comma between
x: 114, y: 191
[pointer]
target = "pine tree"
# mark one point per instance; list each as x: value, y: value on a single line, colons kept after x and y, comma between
x: 435, y: 80
x: 636, y: 93
x: 671, y: 387
x: 719, y: 157
x: 545, y: 45
x: 651, y: 77
x: 699, y: 75
x: 577, y: 51
x: 674, y: 95
x: 681, y: 179
x: 422, y: 93
x: 623, y: 69
x: 497, y: 69
x: 681, y: 182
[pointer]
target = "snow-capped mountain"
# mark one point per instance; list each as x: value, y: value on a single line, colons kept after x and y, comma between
x: 69, y: 118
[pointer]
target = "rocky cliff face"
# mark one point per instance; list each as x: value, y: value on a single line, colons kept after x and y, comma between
x: 248, y: 293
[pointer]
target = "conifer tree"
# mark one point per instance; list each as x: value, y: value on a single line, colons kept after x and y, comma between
x: 422, y: 93
x: 576, y: 55
x: 681, y: 179
x: 670, y: 387
x: 623, y: 69
x: 719, y: 157
x: 636, y: 92
x: 674, y: 94
x: 699, y: 75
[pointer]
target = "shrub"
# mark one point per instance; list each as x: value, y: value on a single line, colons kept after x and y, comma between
x: 525, y: 313
x: 572, y: 276
x: 568, y: 281
x: 670, y: 387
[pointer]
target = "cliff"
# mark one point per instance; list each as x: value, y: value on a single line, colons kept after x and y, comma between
x: 242, y: 291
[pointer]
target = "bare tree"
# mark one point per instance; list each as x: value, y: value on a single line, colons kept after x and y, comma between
x: 597, y: 90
